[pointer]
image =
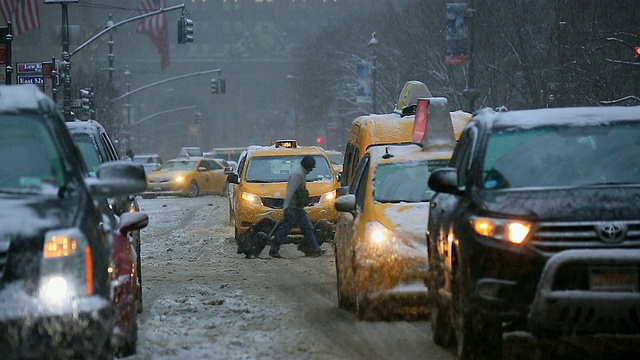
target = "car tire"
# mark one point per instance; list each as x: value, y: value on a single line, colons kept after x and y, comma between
x: 477, y: 335
x: 441, y: 326
x: 346, y: 298
x: 236, y: 234
x: 194, y: 189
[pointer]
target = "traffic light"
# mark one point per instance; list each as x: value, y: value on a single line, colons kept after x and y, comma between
x: 185, y: 30
x: 637, y: 51
x: 319, y: 140
x: 86, y: 97
x: 214, y: 86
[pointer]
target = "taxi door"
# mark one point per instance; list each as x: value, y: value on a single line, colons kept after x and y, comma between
x: 218, y: 177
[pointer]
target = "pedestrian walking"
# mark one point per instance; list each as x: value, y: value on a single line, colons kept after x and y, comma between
x: 296, y: 198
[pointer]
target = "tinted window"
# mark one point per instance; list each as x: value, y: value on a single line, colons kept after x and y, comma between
x: 404, y: 182
x: 89, y: 152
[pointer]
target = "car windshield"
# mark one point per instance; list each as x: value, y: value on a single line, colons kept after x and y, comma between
x: 563, y: 156
x: 277, y: 168
x: 89, y: 152
x: 29, y: 159
x: 178, y: 165
x: 404, y: 181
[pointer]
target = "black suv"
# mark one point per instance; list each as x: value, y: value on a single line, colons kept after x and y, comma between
x: 54, y: 245
x: 535, y: 226
x: 97, y: 148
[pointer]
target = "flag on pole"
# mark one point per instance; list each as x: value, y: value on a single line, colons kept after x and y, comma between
x: 156, y: 28
x: 24, y: 15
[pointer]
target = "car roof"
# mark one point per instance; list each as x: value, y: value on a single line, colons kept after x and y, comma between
x: 282, y: 151
x: 85, y: 126
x: 577, y: 116
x: 405, y: 152
x: 25, y: 98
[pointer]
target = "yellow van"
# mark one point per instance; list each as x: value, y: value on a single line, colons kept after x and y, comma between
x: 261, y: 185
x: 392, y: 128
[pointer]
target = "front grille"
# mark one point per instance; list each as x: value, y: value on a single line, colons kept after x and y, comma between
x: 276, y: 203
x: 552, y: 237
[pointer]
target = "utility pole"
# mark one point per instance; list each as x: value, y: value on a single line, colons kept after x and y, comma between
x: 373, y: 42
x: 471, y: 93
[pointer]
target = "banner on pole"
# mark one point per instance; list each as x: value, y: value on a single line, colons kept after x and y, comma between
x: 457, y: 52
x: 364, y: 90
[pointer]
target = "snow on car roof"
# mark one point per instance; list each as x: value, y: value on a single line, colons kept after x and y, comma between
x: 527, y: 119
x: 19, y: 98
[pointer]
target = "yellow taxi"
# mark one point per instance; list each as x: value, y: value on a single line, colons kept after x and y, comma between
x: 186, y: 176
x: 261, y: 184
x: 380, y: 244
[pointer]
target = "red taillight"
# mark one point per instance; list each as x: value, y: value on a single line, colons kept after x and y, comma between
x: 88, y: 263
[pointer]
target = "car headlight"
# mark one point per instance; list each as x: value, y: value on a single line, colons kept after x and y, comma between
x: 513, y: 231
x: 378, y: 234
x: 66, y: 267
x: 328, y: 196
x: 179, y: 178
x: 251, y: 198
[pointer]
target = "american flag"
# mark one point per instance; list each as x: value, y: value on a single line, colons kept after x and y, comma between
x: 156, y: 27
x: 24, y: 15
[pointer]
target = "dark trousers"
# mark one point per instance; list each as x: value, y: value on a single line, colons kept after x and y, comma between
x: 294, y: 217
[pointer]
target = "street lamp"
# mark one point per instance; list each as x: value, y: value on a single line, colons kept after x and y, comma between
x: 127, y: 78
x: 373, y: 43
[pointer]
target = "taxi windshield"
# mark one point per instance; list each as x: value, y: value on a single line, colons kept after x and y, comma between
x: 268, y: 169
x: 29, y: 159
x: 404, y: 181
x: 178, y: 165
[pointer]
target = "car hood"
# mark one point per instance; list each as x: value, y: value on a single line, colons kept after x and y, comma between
x: 279, y: 190
x: 408, y: 221
x: 563, y: 204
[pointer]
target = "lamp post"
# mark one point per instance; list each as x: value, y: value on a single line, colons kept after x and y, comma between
x: 127, y: 78
x: 373, y: 42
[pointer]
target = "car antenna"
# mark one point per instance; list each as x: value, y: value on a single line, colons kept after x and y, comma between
x: 386, y: 154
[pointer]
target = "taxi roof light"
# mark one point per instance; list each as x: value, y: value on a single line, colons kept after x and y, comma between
x: 287, y: 144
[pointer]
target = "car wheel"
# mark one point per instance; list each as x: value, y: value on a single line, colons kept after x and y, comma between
x: 194, y: 190
x: 477, y: 336
x: 344, y: 282
x: 441, y: 326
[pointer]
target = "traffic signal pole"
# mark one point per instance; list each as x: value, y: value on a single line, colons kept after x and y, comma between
x: 131, y: 92
x: 67, y: 54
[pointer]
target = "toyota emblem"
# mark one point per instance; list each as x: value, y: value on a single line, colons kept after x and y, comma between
x: 612, y: 233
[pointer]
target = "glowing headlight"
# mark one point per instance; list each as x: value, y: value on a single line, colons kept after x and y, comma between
x: 55, y: 289
x: 328, y: 196
x: 251, y: 198
x: 179, y: 179
x: 501, y: 229
x: 378, y: 234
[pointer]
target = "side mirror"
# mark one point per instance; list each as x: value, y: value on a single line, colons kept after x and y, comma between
x: 342, y: 190
x: 445, y: 180
x: 346, y: 203
x: 117, y: 178
x: 233, y: 178
x: 228, y: 170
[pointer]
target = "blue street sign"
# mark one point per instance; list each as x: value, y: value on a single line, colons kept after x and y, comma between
x: 37, y: 80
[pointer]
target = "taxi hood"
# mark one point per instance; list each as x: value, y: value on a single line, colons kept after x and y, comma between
x: 278, y: 190
x: 407, y: 220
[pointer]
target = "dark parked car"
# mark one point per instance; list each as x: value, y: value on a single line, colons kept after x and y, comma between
x: 54, y: 246
x: 97, y: 148
x: 536, y: 227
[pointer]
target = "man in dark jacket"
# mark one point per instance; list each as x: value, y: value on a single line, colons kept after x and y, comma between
x: 296, y: 198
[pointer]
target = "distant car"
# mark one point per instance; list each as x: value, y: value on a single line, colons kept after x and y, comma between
x: 55, y: 296
x: 150, y: 167
x: 534, y: 228
x: 145, y: 158
x: 186, y: 176
x: 337, y: 160
x: 191, y: 151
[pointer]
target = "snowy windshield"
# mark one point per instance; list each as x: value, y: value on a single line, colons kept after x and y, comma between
x: 29, y: 159
x: 566, y: 156
x: 178, y: 165
x: 404, y: 182
x: 278, y: 168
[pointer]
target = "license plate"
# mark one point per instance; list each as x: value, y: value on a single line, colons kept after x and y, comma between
x: 617, y: 279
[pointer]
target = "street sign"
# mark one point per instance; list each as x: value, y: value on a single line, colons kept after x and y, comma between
x: 30, y: 68
x: 76, y: 103
x: 37, y: 80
